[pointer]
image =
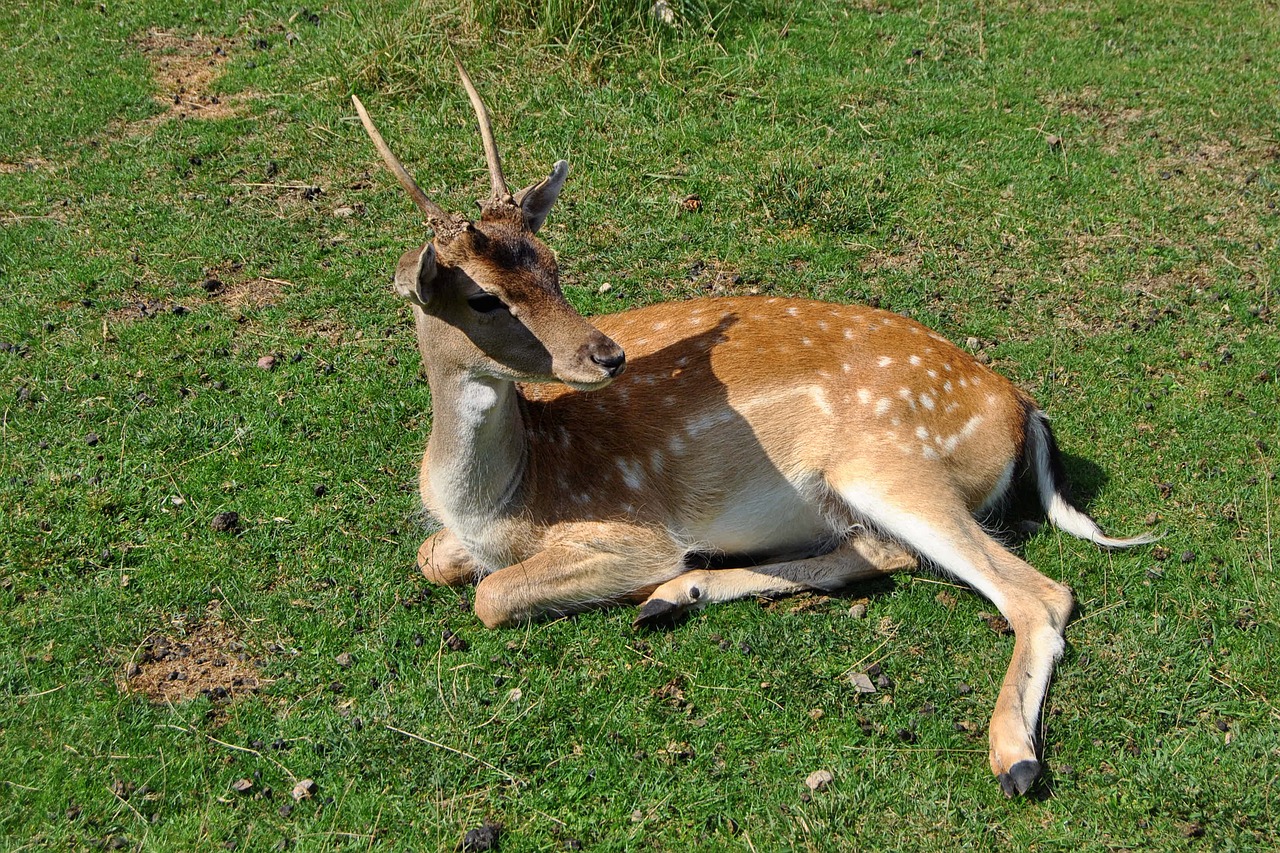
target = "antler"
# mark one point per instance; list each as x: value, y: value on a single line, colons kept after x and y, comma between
x: 500, y: 190
x: 435, y: 214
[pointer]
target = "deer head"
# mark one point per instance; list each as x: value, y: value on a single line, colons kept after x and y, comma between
x: 486, y: 293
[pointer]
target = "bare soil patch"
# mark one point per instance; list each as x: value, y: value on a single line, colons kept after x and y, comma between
x: 28, y: 164
x: 210, y: 660
x: 185, y: 68
x: 252, y: 293
x: 1113, y: 122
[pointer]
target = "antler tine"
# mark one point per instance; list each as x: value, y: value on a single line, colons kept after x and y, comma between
x: 486, y: 134
x: 433, y: 211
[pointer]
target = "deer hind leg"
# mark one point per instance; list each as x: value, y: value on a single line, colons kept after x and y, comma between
x: 941, y: 530
x: 570, y: 577
x: 859, y: 558
x: 443, y: 560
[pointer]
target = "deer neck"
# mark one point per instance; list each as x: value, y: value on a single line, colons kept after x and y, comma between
x: 477, y: 449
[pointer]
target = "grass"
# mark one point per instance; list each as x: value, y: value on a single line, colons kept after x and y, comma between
x: 1089, y: 190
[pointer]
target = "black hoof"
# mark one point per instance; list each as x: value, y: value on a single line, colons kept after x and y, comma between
x: 656, y: 613
x: 1020, y: 778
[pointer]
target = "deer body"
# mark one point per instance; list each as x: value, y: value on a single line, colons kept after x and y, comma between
x: 796, y: 394
x: 737, y: 447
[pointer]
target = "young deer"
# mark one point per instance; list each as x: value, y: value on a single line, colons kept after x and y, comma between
x: 753, y: 446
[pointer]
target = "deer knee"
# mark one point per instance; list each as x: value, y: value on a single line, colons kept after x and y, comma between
x: 488, y: 608
x: 1061, y: 604
x: 442, y: 560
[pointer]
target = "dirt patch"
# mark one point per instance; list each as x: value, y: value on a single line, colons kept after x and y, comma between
x: 328, y: 327
x: 210, y: 660
x: 142, y: 309
x: 30, y: 164
x: 1113, y: 122
x: 184, y: 68
x: 251, y: 294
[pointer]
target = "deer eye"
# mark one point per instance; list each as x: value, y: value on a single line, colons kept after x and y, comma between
x: 486, y: 303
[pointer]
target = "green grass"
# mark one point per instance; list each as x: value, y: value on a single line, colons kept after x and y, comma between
x: 1123, y: 272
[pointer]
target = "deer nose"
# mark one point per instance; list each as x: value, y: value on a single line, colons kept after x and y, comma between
x: 612, y: 359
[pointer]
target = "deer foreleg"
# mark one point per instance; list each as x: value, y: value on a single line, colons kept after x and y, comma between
x: 859, y: 558
x: 570, y: 577
x: 442, y: 559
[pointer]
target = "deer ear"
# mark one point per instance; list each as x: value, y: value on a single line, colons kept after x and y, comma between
x: 415, y: 274
x: 536, y: 200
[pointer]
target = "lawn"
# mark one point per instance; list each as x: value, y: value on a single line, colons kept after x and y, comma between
x: 212, y: 413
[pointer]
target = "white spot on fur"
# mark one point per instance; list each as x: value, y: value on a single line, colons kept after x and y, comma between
x: 882, y: 405
x: 947, y: 366
x: 806, y: 342
x: 632, y: 473
x: 846, y: 368
x: 709, y: 421
x: 884, y: 361
x: 793, y: 311
x: 921, y: 433
x: 864, y: 396
x: 933, y: 374
x: 660, y: 325
x: 676, y: 444
x: 848, y: 334
x: 928, y: 452
x: 915, y: 360
x: 964, y: 383
x: 946, y: 386
x: 926, y: 401
x: 820, y: 399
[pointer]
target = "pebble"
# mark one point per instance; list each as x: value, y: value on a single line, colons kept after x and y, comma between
x: 818, y: 780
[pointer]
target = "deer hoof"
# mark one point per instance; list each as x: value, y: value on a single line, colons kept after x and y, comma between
x: 1020, y: 778
x: 657, y: 613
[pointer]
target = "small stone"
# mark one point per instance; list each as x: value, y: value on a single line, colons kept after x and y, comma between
x: 344, y: 211
x: 858, y: 611
x: 816, y: 713
x: 211, y: 285
x: 285, y: 810
x: 343, y: 660
x: 320, y: 490
x: 605, y: 288
x: 304, y: 789
x: 225, y: 522
x: 92, y: 439
x: 481, y: 838
x: 862, y: 683
x: 1188, y: 556
x: 971, y: 342
x: 818, y: 780
x: 242, y: 786
x: 1053, y: 142
x: 963, y: 689
x: 267, y: 362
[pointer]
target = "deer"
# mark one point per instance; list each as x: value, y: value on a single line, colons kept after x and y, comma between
x: 690, y: 453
